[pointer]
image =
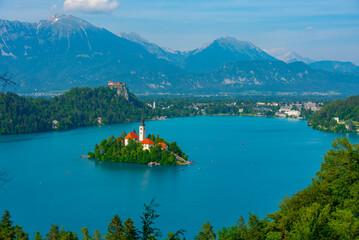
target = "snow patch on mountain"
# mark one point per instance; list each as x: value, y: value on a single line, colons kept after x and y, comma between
x: 287, y: 56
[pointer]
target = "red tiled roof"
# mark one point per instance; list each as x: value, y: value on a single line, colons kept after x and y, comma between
x: 132, y: 135
x: 147, y: 141
x: 162, y: 144
x: 116, y: 83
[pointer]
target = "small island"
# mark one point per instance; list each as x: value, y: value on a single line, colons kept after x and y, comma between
x: 134, y: 148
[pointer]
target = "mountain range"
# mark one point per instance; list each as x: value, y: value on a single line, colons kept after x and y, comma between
x: 63, y: 52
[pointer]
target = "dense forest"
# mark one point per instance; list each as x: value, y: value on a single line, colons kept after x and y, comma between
x: 113, y: 149
x: 81, y: 107
x: 347, y: 111
x: 326, y: 209
x: 78, y: 107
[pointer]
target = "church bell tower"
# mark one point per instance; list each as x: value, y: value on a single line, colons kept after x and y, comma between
x: 142, y: 130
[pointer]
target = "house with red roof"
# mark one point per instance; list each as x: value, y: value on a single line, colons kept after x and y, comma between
x: 111, y: 84
x: 163, y: 145
x: 147, y: 143
x: 132, y: 135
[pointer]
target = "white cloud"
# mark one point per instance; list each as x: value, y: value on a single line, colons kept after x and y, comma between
x: 310, y: 28
x: 54, y: 6
x: 90, y: 5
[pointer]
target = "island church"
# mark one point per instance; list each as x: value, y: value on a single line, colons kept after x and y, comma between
x: 146, y: 143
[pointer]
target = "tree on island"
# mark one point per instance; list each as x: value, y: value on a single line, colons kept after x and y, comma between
x: 113, y: 149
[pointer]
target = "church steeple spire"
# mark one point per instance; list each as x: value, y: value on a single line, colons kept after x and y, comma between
x: 142, y: 122
x: 142, y: 130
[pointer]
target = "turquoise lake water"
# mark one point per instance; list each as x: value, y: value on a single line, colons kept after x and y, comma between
x: 243, y: 164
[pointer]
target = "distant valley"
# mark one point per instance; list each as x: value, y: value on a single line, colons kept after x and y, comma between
x: 63, y: 52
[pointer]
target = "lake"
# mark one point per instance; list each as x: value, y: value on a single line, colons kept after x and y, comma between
x: 242, y: 165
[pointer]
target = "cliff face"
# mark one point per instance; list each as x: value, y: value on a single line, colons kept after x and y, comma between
x: 121, y: 89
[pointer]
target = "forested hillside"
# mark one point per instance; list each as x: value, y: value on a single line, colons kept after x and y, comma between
x: 78, y: 107
x: 346, y: 110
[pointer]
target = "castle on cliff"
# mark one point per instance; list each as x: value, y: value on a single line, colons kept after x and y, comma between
x: 120, y: 87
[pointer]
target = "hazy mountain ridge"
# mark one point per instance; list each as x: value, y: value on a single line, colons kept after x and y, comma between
x: 287, y: 56
x: 221, y: 51
x: 64, y: 52
x: 273, y: 76
x: 335, y: 66
x: 216, y: 53
x: 174, y: 56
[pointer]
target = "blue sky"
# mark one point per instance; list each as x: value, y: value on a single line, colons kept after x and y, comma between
x: 318, y: 29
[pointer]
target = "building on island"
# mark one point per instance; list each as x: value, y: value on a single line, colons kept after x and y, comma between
x: 132, y: 135
x: 142, y: 131
x: 54, y: 124
x: 141, y: 138
x: 163, y: 145
x: 147, y: 143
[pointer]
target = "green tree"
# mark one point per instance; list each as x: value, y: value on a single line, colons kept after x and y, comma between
x: 274, y: 236
x: 242, y: 227
x: 175, y: 236
x: 129, y: 230
x: 6, y: 229
x: 85, y: 234
x: 68, y: 235
x: 97, y: 235
x: 5, y: 220
x: 229, y: 233
x: 344, y: 225
x: 20, y: 234
x: 54, y: 233
x: 37, y: 236
x: 148, y: 220
x: 206, y: 232
x: 310, y: 222
x: 115, y: 229
x: 256, y: 227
